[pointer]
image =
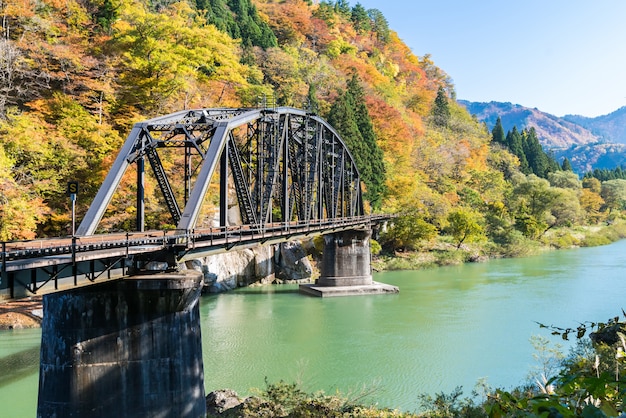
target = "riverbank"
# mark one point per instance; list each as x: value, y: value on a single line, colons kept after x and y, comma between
x: 442, y: 251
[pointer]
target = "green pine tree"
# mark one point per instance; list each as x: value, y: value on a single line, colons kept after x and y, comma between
x: 553, y: 164
x: 342, y: 118
x: 325, y: 11
x: 106, y: 14
x: 441, y: 109
x: 342, y: 7
x: 240, y: 19
x: 313, y: 104
x: 360, y: 19
x: 497, y: 133
x: 539, y: 162
x: 350, y: 117
x: 376, y: 189
x: 566, y: 165
x: 380, y: 26
x: 514, y: 142
x: 533, y: 152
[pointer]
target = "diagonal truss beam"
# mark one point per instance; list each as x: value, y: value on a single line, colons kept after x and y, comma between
x: 286, y: 164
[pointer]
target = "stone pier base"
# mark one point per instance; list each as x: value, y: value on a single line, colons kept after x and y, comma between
x: 129, y: 348
x: 346, y: 267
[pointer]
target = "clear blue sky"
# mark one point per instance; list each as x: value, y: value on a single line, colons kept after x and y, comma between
x: 560, y: 56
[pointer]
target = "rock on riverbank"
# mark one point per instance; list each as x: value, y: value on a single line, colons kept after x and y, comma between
x: 23, y: 313
x: 262, y: 265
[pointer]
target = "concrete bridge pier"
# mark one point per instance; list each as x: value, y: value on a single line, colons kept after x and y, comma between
x: 128, y: 348
x: 346, y: 259
x: 346, y: 267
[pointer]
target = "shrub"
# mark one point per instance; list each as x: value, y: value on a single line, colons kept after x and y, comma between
x: 451, y: 258
x: 289, y: 400
x: 375, y: 247
x: 562, y: 239
x: 595, y: 240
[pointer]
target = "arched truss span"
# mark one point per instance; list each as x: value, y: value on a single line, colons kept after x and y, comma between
x: 284, y: 164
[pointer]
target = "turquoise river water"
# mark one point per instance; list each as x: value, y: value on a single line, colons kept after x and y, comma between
x: 447, y: 327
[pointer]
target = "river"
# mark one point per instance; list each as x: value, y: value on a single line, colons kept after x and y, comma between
x: 447, y: 327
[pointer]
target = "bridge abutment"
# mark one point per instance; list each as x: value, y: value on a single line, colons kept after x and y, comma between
x: 346, y: 267
x: 121, y: 349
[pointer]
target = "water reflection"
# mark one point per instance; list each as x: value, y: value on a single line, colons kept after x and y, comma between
x: 447, y: 327
x: 19, y: 372
x: 19, y: 365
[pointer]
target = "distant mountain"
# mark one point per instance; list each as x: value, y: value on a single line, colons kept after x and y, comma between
x: 586, y: 157
x: 609, y: 128
x: 552, y: 131
x: 587, y: 142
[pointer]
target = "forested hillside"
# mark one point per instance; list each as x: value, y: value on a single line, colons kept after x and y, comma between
x: 76, y: 74
x: 588, y: 143
x: 552, y: 131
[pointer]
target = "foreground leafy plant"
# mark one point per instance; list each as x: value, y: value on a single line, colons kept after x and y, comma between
x: 590, y: 384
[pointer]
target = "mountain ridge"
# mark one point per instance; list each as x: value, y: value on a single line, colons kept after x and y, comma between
x: 610, y: 127
x: 588, y: 142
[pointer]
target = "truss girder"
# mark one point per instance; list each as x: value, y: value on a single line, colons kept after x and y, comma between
x: 164, y: 184
x: 283, y: 163
x: 248, y: 215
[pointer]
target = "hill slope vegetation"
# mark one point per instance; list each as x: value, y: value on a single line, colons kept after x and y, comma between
x: 588, y: 143
x: 77, y: 74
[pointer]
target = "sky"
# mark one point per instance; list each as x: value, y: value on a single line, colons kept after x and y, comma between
x: 559, y: 56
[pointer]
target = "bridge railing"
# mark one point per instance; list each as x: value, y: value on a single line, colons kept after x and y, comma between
x: 232, y: 235
x: 153, y: 240
x: 15, y: 250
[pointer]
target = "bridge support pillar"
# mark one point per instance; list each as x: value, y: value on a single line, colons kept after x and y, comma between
x: 127, y: 348
x: 346, y: 259
x: 346, y: 267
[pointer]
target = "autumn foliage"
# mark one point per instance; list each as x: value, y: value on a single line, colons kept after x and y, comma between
x: 75, y: 75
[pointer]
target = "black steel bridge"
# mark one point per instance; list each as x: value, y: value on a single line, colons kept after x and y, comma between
x: 232, y: 178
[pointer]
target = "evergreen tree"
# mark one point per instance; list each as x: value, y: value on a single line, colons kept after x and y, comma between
x: 342, y: 118
x: 350, y: 117
x: 540, y: 163
x: 107, y: 14
x: 514, y: 142
x: 218, y: 14
x: 313, y: 104
x: 360, y: 19
x: 536, y: 157
x: 240, y: 19
x: 553, y: 164
x: 342, y: 7
x: 566, y: 165
x: 441, y: 109
x: 376, y: 189
x: 380, y: 26
x: 604, y: 174
x: 325, y: 11
x: 254, y: 31
x: 497, y: 133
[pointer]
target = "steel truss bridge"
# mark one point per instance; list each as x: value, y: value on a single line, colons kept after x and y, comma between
x: 280, y: 174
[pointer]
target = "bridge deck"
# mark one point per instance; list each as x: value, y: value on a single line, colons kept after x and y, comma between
x: 33, y: 264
